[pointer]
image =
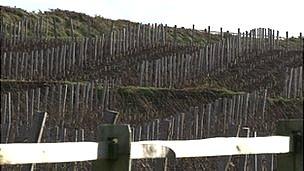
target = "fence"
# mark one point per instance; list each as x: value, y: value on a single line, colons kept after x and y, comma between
x: 126, y: 52
x: 223, y: 117
x: 62, y: 102
x: 48, y: 73
x: 220, y: 117
x: 115, y: 149
x: 293, y: 82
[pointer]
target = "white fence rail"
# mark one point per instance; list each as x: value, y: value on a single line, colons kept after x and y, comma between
x: 121, y: 149
x: 23, y: 153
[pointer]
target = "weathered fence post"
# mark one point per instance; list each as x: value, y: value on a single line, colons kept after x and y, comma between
x: 115, y: 145
x: 37, y: 131
x: 54, y: 28
x: 38, y: 126
x: 302, y: 44
x: 294, y: 159
x: 209, y: 36
x: 287, y: 41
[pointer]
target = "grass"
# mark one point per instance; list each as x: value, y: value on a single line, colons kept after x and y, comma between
x: 152, y: 91
x: 85, y: 25
x: 283, y: 100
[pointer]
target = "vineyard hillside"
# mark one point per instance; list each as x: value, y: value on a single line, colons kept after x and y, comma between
x: 167, y: 82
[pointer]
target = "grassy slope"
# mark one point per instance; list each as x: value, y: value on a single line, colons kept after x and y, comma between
x: 85, y: 25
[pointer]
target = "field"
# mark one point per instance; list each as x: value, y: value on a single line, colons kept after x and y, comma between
x: 168, y: 83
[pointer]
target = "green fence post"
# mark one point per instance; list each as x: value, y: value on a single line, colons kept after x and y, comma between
x: 115, y: 144
x: 292, y: 161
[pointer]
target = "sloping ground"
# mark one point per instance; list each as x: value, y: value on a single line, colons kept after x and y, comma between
x: 263, y: 124
x: 286, y: 108
x: 145, y: 104
x: 85, y: 25
x: 131, y: 102
x: 262, y: 72
x: 139, y: 105
x: 76, y: 107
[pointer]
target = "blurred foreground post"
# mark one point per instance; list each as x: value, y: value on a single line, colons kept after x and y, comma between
x: 294, y: 159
